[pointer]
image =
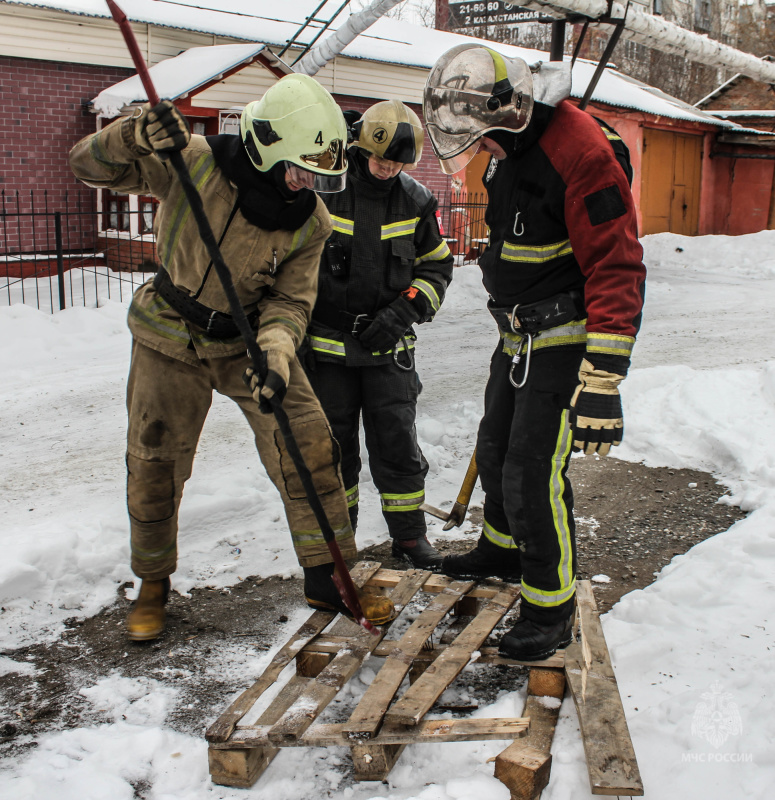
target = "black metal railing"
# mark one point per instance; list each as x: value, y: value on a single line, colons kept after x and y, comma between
x: 462, y: 217
x: 58, y: 251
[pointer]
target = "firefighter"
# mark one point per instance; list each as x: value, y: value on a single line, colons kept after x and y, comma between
x: 257, y: 190
x: 564, y: 271
x: 384, y: 269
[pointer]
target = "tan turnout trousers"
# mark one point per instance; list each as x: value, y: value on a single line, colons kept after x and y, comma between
x: 168, y: 401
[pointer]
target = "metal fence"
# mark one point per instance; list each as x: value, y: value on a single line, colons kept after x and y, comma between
x: 63, y: 251
x: 462, y: 216
x: 54, y: 253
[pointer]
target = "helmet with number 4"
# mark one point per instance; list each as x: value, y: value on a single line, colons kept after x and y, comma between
x: 391, y: 130
x: 297, y: 121
x: 472, y: 90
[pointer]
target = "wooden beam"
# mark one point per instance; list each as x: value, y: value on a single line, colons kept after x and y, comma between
x: 387, y: 578
x: 611, y: 763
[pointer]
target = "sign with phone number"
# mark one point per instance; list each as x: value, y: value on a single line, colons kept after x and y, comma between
x: 492, y: 12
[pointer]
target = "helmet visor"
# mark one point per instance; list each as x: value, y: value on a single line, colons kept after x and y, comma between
x: 332, y: 159
x: 455, y: 164
x: 298, y: 178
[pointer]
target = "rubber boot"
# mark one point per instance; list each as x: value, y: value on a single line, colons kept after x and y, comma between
x: 147, y: 617
x: 321, y: 594
x: 486, y: 560
x: 419, y: 553
x: 529, y: 640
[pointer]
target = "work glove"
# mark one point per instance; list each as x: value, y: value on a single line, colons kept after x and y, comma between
x: 596, y: 411
x: 389, y: 325
x: 165, y: 128
x: 277, y: 351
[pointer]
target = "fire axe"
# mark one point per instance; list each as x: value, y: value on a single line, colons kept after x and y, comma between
x: 454, y: 518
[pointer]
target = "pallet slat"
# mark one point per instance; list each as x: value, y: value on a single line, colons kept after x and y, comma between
x: 223, y: 727
x: 428, y: 731
x: 367, y: 717
x: 611, y: 763
x: 322, y: 689
x: 419, y: 698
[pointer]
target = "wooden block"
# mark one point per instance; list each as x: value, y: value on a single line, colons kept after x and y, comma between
x: 467, y: 606
x: 240, y: 768
x: 436, y: 583
x: 373, y: 762
x: 524, y: 767
x: 419, y: 698
x: 524, y: 770
x: 611, y: 763
x: 310, y: 665
x: 546, y: 682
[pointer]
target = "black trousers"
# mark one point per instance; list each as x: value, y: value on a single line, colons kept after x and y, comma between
x: 386, y: 397
x: 523, y: 451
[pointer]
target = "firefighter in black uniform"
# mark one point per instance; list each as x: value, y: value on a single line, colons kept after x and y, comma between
x: 564, y: 271
x: 384, y: 268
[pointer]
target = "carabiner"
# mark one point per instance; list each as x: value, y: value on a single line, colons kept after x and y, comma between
x: 408, y: 355
x: 517, y: 357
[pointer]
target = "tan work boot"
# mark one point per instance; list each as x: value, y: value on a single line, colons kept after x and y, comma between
x: 147, y: 617
x: 321, y: 594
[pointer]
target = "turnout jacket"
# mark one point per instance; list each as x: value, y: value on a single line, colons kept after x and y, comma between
x: 562, y: 218
x: 274, y: 272
x: 389, y: 238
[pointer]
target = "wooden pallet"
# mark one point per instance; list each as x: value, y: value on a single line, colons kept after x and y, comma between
x: 243, y: 741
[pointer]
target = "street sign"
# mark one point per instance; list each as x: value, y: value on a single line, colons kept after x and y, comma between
x: 490, y: 12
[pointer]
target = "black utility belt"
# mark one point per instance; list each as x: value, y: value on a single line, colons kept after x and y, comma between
x: 535, y: 317
x: 214, y: 323
x: 342, y: 321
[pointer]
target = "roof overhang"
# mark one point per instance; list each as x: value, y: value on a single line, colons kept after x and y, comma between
x: 188, y: 74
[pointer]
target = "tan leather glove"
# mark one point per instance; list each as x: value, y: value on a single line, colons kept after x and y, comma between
x: 279, y: 349
x: 164, y: 128
x: 596, y: 411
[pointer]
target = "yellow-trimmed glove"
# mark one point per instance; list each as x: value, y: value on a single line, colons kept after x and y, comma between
x: 596, y: 411
x: 278, y: 350
x: 165, y: 129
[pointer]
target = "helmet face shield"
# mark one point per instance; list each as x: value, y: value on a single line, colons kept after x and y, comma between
x: 330, y: 159
x: 300, y: 178
x: 472, y: 90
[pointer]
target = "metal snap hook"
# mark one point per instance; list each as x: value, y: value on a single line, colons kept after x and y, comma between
x: 517, y: 357
x: 408, y: 355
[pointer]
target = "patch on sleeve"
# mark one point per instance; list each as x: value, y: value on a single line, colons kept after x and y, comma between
x: 605, y: 205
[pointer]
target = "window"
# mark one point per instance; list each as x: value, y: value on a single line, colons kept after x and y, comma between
x: 117, y: 211
x: 148, y: 206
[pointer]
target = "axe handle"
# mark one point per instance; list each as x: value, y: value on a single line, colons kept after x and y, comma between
x: 466, y: 490
x: 458, y: 512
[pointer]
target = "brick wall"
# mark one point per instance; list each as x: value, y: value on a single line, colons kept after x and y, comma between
x: 43, y: 116
x: 745, y: 93
x: 428, y: 171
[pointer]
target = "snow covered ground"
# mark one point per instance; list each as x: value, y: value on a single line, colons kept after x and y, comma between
x: 693, y: 652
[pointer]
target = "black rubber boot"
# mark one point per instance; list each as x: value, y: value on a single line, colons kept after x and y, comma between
x: 486, y: 560
x: 532, y: 641
x: 321, y: 594
x: 419, y: 553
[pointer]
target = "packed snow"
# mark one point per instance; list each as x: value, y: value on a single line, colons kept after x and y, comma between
x: 699, y: 641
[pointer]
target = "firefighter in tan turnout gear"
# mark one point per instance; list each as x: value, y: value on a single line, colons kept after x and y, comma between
x: 384, y: 269
x: 258, y: 191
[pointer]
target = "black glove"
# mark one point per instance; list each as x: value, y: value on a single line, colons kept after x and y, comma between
x: 166, y: 128
x: 596, y: 411
x: 389, y: 325
x: 275, y: 384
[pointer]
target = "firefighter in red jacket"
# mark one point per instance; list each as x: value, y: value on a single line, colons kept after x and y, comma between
x: 564, y: 271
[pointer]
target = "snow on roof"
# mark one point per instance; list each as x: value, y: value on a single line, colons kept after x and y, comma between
x: 748, y: 112
x: 388, y: 40
x: 176, y: 77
